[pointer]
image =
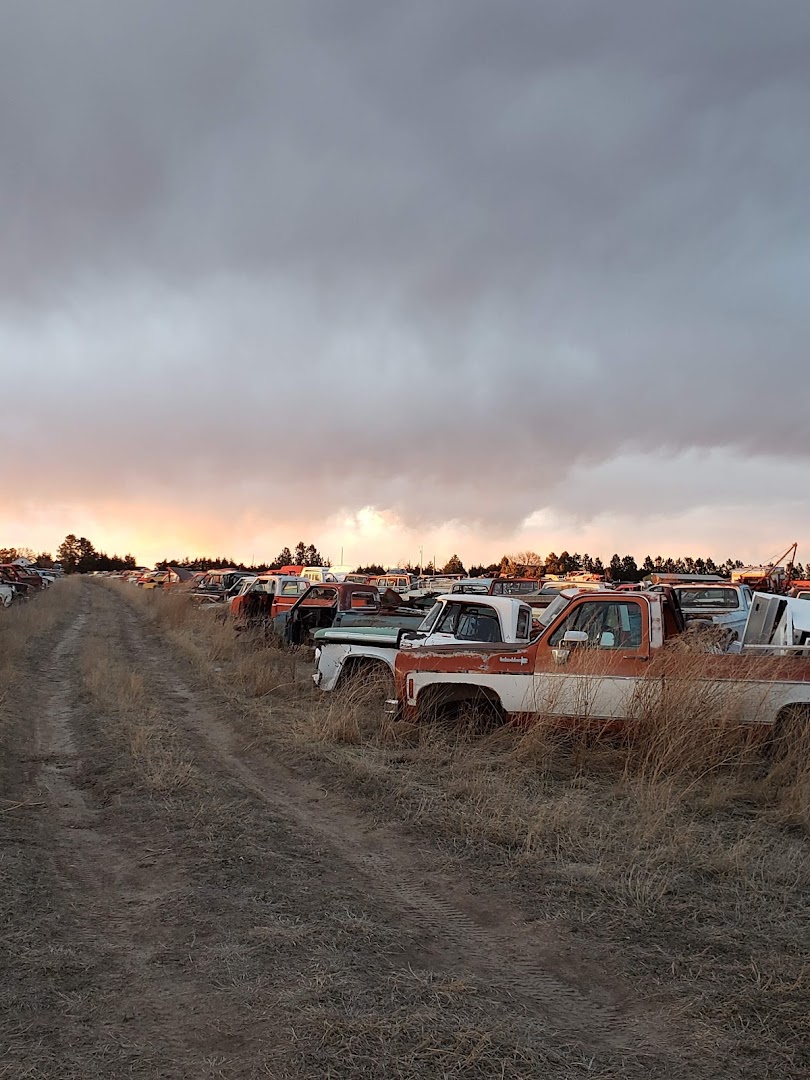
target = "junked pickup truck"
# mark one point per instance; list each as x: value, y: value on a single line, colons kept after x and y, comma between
x: 723, y: 603
x: 343, y: 654
x: 262, y: 598
x: 593, y: 663
x: 341, y: 604
x: 217, y: 586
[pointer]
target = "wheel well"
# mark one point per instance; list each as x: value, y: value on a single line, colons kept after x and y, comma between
x: 797, y: 712
x: 355, y: 665
x: 450, y: 697
x: 791, y: 731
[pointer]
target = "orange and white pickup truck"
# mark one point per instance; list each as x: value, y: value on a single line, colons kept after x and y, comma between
x: 594, y: 661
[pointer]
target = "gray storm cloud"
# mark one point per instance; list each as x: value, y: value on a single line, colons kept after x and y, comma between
x: 426, y: 256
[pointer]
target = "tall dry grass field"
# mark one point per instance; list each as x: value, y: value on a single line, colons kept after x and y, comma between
x: 242, y: 665
x: 679, y: 846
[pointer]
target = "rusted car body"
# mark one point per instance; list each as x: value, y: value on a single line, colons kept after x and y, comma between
x: 213, y: 587
x: 594, y: 665
x: 262, y: 599
x: 342, y: 604
x: 19, y: 575
x: 166, y: 579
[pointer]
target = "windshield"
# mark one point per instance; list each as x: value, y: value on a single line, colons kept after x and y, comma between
x: 515, y: 588
x: 708, y: 599
x: 427, y: 624
x: 547, y: 615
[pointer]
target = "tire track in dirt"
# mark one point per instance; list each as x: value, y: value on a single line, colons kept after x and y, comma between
x: 107, y: 880
x: 460, y: 932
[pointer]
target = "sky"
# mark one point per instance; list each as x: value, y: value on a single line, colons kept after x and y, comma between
x: 473, y: 276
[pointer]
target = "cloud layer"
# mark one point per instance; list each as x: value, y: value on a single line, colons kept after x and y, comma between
x: 268, y: 265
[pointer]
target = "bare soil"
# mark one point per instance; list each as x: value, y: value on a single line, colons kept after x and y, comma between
x: 180, y: 899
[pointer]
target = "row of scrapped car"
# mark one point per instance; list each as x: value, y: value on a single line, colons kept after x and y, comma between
x: 291, y: 603
x: 22, y: 579
x: 294, y: 604
x: 512, y: 611
x: 575, y: 648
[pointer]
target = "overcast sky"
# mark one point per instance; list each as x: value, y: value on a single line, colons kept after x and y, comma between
x: 477, y: 276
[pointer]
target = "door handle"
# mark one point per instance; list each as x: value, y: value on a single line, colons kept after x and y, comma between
x: 636, y: 657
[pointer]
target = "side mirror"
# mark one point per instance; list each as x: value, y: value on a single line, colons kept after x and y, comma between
x: 575, y: 637
x: 607, y: 640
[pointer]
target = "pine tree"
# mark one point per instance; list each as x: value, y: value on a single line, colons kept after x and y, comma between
x: 68, y: 553
x: 454, y: 565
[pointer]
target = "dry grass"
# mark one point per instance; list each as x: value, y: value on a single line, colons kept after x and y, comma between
x: 241, y: 664
x: 24, y: 630
x: 137, y: 720
x: 23, y: 623
x: 681, y: 849
x: 686, y: 741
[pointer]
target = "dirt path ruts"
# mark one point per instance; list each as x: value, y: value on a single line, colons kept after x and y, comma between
x: 108, y: 882
x: 459, y: 931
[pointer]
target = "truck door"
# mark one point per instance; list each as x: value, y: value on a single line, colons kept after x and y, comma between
x: 590, y: 661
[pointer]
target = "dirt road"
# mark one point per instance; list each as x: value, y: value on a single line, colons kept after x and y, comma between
x: 177, y: 904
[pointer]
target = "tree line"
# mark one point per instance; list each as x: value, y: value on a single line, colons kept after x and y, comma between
x: 302, y: 555
x: 78, y: 555
x: 619, y: 568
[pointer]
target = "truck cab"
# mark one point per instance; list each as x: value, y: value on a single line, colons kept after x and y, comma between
x: 456, y: 619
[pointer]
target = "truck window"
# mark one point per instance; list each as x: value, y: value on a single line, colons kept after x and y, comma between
x: 619, y: 622
x: 319, y: 595
x: 478, y: 623
x: 363, y: 600
x: 515, y: 588
x: 447, y: 623
x: 470, y: 622
x: 524, y: 622
x: 708, y: 599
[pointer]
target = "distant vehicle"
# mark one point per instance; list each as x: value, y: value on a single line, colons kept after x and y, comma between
x: 400, y: 583
x: 261, y: 598
x: 317, y: 573
x: 214, y: 585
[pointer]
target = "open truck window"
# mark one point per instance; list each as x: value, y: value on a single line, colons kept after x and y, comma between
x: 608, y: 623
